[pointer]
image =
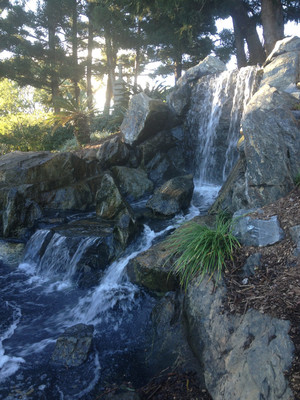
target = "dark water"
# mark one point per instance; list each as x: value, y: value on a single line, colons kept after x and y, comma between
x: 37, y: 307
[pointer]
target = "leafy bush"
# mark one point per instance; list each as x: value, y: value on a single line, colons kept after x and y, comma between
x: 201, y: 251
x: 30, y: 132
x: 108, y: 122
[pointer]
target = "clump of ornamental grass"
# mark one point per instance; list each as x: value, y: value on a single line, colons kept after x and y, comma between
x: 200, y: 251
x: 297, y: 179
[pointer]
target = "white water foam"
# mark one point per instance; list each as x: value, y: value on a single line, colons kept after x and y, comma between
x: 9, y: 364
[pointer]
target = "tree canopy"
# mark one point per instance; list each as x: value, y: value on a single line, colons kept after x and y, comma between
x: 59, y: 45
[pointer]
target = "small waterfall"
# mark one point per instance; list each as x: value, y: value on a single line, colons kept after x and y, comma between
x: 243, y: 92
x: 213, y: 122
x: 50, y: 254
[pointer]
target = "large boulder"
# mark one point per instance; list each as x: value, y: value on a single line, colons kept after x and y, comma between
x: 173, y: 196
x: 113, y: 152
x: 132, y: 182
x: 179, y: 98
x: 244, y: 356
x: 145, y: 117
x: 272, y: 146
x: 162, y: 156
x: 152, y: 269
x: 73, y: 346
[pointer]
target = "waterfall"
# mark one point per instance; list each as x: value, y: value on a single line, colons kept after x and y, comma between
x: 53, y: 255
x: 213, y: 122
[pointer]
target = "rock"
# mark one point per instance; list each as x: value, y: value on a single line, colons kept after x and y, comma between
x: 244, y: 357
x: 73, y: 347
x: 76, y: 197
x: 257, y: 232
x: 132, y: 182
x: 33, y: 181
x: 113, y: 152
x: 152, y: 270
x: 11, y: 253
x: 19, y: 214
x: 179, y: 98
x: 109, y: 201
x: 169, y: 347
x: 272, y: 146
x: 162, y: 156
x: 111, y: 205
x: 295, y: 234
x: 286, y: 45
x: 145, y: 117
x: 252, y: 263
x: 282, y: 72
x: 172, y: 197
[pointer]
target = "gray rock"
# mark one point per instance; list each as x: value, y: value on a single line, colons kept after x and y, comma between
x: 132, y: 182
x: 109, y: 201
x: 282, y: 72
x: 170, y: 348
x: 286, y: 45
x: 32, y: 181
x: 272, y: 146
x: 113, y: 152
x: 252, y: 263
x: 257, y: 232
x: 152, y: 269
x: 179, y: 98
x: 145, y: 117
x: 73, y: 347
x: 244, y: 357
x: 295, y: 234
x: 173, y: 196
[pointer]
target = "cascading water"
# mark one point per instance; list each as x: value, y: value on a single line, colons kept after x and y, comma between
x: 213, y: 122
x: 39, y: 300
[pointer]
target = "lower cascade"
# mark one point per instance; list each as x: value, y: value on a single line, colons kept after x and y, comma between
x: 72, y: 318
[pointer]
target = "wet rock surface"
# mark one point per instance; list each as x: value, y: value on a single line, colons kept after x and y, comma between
x: 73, y: 347
x: 173, y: 196
x: 151, y: 269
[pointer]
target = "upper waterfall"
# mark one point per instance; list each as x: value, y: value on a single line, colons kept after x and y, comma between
x: 213, y: 121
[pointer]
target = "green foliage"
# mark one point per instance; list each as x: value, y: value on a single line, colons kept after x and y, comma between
x: 108, y: 122
x: 157, y: 91
x: 76, y: 114
x: 201, y: 251
x: 30, y: 132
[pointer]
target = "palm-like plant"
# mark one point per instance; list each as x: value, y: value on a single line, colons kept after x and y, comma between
x: 76, y: 113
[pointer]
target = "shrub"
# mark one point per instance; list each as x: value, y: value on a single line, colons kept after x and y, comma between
x: 200, y: 251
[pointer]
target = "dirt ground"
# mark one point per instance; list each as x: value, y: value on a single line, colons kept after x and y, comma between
x: 275, y: 287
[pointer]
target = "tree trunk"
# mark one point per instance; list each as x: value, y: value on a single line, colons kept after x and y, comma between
x: 247, y: 27
x: 178, y: 67
x: 273, y: 24
x: 54, y: 84
x: 111, y: 65
x: 239, y: 45
x: 75, y: 78
x: 89, y: 90
x: 137, y: 58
